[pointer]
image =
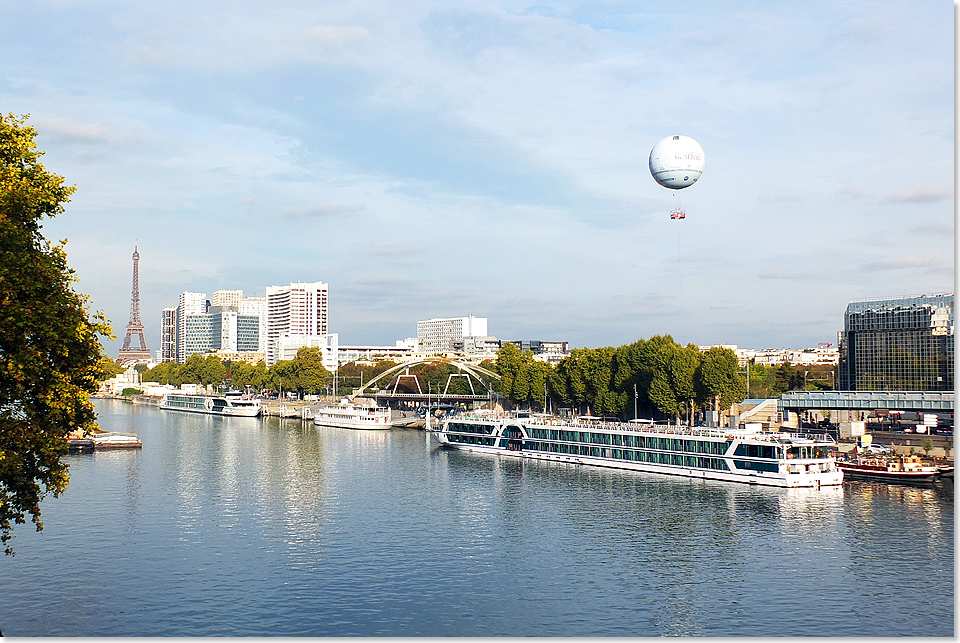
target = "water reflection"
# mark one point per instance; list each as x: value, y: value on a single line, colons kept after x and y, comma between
x: 231, y: 526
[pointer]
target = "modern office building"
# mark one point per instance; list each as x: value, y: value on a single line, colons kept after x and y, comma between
x: 442, y: 334
x: 221, y: 328
x: 297, y: 309
x: 257, y: 306
x: 904, y: 344
x: 191, y: 303
x: 195, y: 326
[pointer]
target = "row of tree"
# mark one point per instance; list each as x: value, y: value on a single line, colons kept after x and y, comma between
x: 647, y: 376
x: 304, y: 374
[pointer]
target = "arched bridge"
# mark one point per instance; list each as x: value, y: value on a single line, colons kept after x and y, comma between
x: 465, y: 370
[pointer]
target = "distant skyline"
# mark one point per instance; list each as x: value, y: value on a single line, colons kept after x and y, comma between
x: 490, y: 158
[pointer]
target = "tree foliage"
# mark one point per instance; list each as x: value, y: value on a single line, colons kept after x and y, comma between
x: 655, y: 375
x: 109, y: 368
x: 719, y: 379
x: 50, y: 353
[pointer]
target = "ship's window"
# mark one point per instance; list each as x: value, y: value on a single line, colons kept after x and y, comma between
x: 756, y: 451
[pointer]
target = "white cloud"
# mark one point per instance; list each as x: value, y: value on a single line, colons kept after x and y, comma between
x: 922, y: 195
x: 337, y: 36
x: 929, y: 263
x: 324, y: 210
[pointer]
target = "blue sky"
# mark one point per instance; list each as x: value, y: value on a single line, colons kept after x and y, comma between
x: 490, y: 158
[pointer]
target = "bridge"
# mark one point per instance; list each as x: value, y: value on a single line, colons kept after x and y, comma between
x: 922, y: 401
x: 394, y: 376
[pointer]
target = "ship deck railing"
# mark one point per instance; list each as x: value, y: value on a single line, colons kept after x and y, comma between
x: 668, y: 429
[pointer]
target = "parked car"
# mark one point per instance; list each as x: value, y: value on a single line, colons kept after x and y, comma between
x: 877, y: 449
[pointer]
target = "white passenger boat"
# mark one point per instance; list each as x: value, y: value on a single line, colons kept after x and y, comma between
x: 774, y: 459
x: 211, y: 404
x: 347, y: 415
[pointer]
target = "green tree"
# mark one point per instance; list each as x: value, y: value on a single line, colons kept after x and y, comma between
x: 261, y: 379
x: 719, y: 380
x: 283, y: 376
x: 49, y: 343
x: 672, y: 387
x: 109, y: 368
x: 509, y: 363
x: 683, y: 370
x: 191, y: 371
x: 161, y: 373
x: 212, y: 371
x: 570, y: 381
x: 311, y: 376
x: 585, y: 379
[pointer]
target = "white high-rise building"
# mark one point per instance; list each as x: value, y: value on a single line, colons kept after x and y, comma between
x: 297, y: 309
x: 168, y: 335
x: 227, y: 298
x: 442, y: 333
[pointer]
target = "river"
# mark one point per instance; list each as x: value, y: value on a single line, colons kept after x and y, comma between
x: 270, y: 527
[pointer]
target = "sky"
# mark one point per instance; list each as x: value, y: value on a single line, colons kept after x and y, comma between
x: 436, y: 159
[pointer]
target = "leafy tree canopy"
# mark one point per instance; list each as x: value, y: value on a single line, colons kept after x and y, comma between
x: 50, y: 353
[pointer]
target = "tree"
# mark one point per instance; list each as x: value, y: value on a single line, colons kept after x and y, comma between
x: 212, y: 371
x: 162, y: 373
x: 509, y: 362
x: 50, y: 350
x: 672, y: 387
x: 718, y: 378
x: 311, y: 376
x: 109, y: 368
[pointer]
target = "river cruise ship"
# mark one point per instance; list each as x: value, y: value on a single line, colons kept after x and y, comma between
x: 762, y: 458
x: 347, y: 415
x: 211, y: 404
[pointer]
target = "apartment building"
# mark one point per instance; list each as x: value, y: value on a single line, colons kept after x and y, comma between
x: 442, y: 334
x: 298, y: 309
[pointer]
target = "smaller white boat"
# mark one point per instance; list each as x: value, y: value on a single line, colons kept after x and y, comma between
x: 347, y: 415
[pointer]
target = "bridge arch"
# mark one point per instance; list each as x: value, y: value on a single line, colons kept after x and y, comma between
x: 471, y: 369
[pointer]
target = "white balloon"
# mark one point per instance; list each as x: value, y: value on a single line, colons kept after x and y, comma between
x: 676, y: 162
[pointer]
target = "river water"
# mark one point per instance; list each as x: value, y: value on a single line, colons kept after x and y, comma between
x: 266, y: 527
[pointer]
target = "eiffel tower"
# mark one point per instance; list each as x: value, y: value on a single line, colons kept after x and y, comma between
x: 134, y: 326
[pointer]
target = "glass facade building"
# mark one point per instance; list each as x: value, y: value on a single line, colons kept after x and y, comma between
x: 898, y: 345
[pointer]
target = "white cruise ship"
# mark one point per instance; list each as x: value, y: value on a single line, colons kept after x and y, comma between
x: 232, y: 405
x: 347, y: 415
x: 773, y: 459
